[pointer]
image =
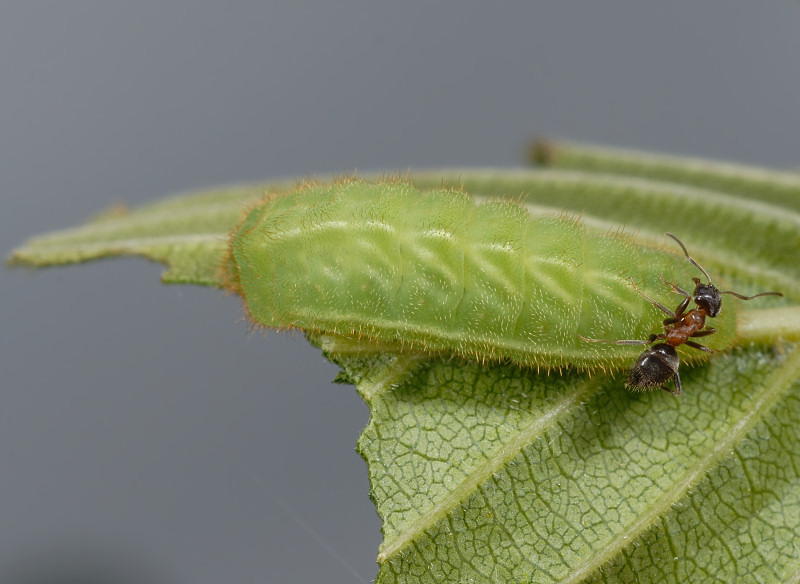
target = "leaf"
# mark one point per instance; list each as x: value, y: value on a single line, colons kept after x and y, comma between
x: 188, y: 234
x: 494, y: 474
x: 749, y: 182
x: 491, y: 473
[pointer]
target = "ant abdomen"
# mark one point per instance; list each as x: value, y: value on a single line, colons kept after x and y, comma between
x: 654, y: 367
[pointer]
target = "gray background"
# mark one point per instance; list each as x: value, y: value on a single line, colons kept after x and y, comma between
x: 143, y: 431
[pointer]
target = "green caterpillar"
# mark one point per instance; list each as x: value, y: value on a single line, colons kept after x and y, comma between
x: 434, y: 271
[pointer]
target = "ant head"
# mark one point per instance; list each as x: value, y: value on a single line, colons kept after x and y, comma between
x: 707, y: 297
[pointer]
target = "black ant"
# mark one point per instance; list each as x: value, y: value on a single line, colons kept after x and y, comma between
x: 659, y: 362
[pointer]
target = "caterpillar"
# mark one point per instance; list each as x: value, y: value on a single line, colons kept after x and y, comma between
x: 437, y: 272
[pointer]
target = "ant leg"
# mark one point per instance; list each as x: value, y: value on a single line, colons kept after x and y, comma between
x: 678, y: 312
x: 675, y: 287
x: 703, y: 333
x: 622, y: 342
x: 649, y: 340
x: 698, y: 346
x: 678, y: 389
x: 682, y: 306
x: 658, y: 305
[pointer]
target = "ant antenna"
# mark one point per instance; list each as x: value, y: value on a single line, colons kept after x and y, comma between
x: 699, y: 267
x: 743, y: 297
x: 693, y: 261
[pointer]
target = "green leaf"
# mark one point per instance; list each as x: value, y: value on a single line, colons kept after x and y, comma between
x: 491, y: 473
x: 748, y: 182
x: 187, y: 233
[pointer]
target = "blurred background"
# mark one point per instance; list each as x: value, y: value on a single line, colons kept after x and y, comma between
x: 145, y: 435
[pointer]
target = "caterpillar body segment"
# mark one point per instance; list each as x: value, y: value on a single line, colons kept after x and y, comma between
x: 433, y: 271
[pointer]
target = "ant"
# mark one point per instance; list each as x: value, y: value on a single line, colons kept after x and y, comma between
x: 659, y: 362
